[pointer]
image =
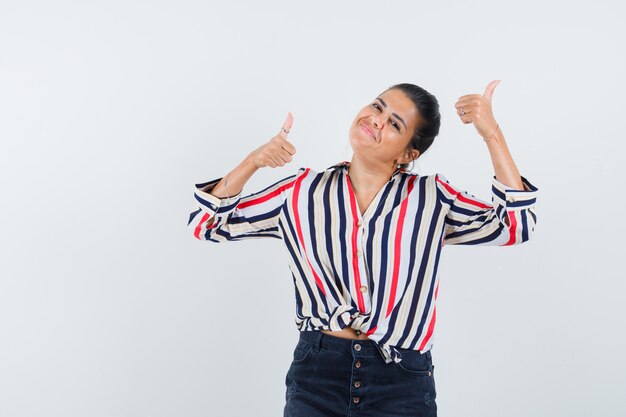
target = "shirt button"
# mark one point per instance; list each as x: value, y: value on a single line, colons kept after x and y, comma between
x: 360, y: 223
x: 357, y: 384
x: 357, y: 364
x: 356, y: 400
x: 357, y: 347
x: 359, y: 253
x: 363, y: 288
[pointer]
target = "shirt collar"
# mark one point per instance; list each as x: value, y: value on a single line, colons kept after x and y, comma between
x: 346, y: 164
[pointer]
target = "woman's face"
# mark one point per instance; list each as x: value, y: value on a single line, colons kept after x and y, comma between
x: 383, y: 129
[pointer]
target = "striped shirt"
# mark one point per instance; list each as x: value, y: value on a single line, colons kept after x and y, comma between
x: 375, y: 272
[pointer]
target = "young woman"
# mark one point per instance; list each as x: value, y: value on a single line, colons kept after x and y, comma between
x: 364, y: 240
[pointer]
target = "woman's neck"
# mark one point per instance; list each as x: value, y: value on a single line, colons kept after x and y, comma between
x: 368, y: 178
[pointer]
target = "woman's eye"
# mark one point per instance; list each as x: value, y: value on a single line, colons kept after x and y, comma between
x: 394, y: 124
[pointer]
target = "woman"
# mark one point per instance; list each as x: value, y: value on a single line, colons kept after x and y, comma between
x: 364, y: 239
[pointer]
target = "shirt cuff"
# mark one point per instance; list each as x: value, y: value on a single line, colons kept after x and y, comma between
x: 212, y: 204
x: 514, y: 199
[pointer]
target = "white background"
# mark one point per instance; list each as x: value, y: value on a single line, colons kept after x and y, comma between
x: 111, y: 111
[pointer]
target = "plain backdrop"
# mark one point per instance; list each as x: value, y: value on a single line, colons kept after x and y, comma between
x: 111, y: 111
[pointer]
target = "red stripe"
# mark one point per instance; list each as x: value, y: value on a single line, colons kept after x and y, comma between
x: 198, y: 228
x: 370, y: 331
x: 461, y: 197
x: 476, y: 203
x: 396, y: 246
x: 447, y: 186
x: 431, y: 325
x: 355, y: 259
x: 512, y: 228
x: 265, y: 197
x: 296, y: 192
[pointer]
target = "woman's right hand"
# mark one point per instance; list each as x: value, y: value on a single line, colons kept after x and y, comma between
x: 277, y: 152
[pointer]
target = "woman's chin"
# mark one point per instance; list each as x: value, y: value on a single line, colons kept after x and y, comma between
x: 360, y: 141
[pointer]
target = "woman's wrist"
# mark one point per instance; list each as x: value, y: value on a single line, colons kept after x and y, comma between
x: 495, y: 132
x: 248, y: 163
x: 496, y: 137
x: 504, y: 167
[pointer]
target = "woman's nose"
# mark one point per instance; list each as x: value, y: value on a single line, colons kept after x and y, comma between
x: 377, y: 122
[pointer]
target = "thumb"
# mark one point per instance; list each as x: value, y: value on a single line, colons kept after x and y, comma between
x: 287, y: 125
x: 489, y: 90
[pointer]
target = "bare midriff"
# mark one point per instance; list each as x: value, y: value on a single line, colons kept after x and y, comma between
x: 347, y: 333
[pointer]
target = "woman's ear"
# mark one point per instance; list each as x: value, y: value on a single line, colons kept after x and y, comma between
x: 410, y: 155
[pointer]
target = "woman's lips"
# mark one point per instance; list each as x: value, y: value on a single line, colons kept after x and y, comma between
x: 368, y: 130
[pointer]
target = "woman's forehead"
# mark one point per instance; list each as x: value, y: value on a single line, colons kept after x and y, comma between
x: 397, y: 99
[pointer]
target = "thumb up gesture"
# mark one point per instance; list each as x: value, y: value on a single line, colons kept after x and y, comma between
x: 278, y: 151
x: 477, y: 109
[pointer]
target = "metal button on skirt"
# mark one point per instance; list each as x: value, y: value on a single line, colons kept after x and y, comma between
x: 336, y: 377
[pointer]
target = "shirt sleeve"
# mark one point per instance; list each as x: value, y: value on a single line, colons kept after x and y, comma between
x: 256, y: 215
x: 510, y: 219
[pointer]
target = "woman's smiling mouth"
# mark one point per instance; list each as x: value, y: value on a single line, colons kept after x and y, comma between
x: 368, y: 130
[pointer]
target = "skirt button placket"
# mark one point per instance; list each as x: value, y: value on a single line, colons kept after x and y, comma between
x: 356, y: 399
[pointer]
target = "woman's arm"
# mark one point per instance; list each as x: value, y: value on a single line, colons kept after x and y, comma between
x: 221, y: 212
x: 478, y: 110
x: 253, y: 216
x: 505, y: 169
x: 511, y: 217
x: 277, y: 152
x: 236, y: 179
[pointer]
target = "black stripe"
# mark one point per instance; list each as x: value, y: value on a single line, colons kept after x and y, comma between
x: 192, y: 215
x: 384, y: 237
x: 328, y: 226
x: 331, y: 290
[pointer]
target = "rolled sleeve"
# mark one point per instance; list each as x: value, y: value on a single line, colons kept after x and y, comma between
x: 510, y: 219
x: 239, y: 217
x: 511, y: 198
x: 212, y: 204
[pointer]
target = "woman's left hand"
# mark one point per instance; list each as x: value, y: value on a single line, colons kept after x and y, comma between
x: 478, y: 110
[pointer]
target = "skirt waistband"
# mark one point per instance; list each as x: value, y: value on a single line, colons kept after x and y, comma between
x: 367, y: 347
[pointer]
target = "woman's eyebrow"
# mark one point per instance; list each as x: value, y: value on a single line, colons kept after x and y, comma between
x: 385, y: 106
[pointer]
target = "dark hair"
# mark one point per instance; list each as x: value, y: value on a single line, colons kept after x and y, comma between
x: 428, y: 113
